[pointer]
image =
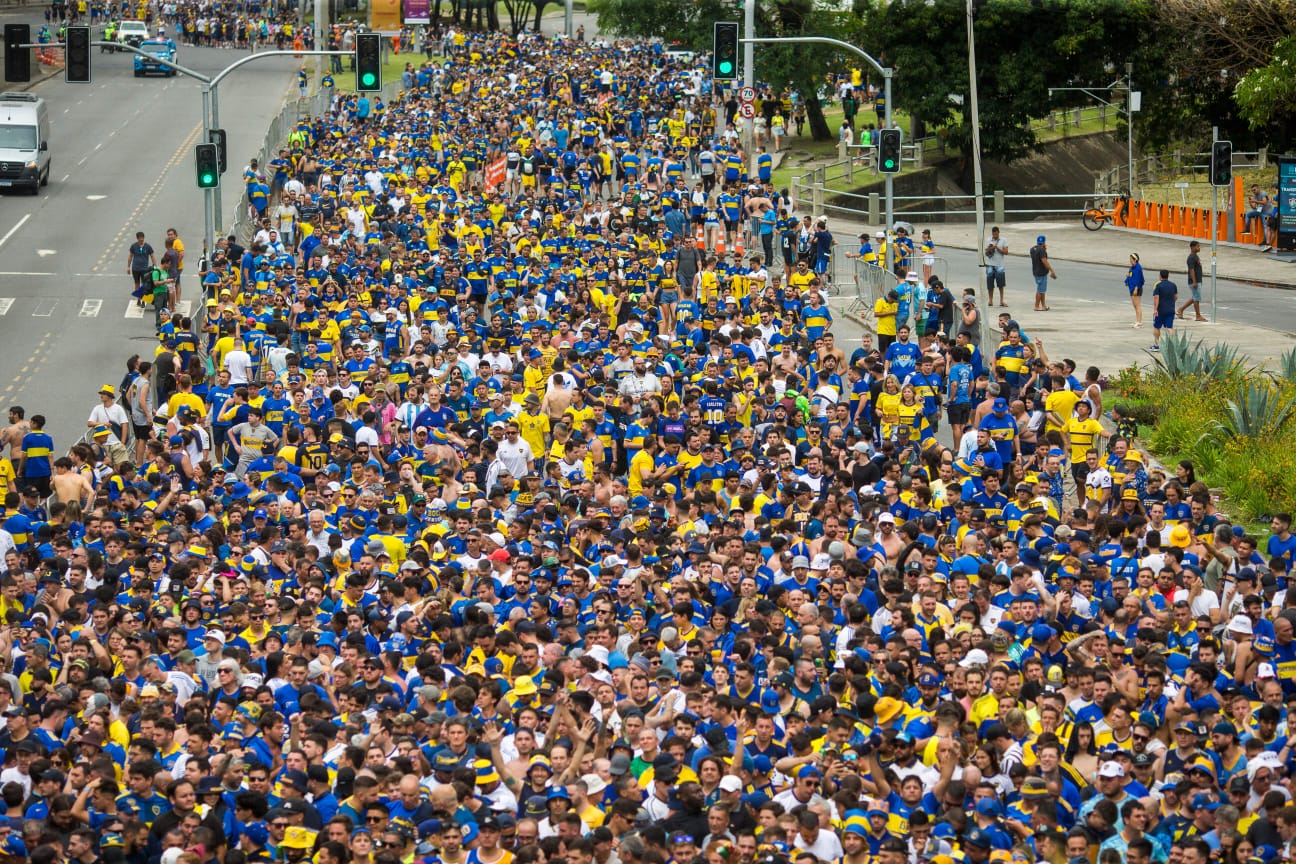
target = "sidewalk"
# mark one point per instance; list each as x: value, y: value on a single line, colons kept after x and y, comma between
x: 1097, y: 331
x: 1071, y: 241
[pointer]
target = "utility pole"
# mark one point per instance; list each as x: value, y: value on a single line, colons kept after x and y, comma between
x: 320, y: 30
x: 1129, y: 122
x: 977, y: 185
x: 886, y: 72
x: 1214, y: 232
x: 567, y: 18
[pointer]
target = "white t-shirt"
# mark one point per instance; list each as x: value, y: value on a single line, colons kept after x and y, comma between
x: 1202, y: 604
x: 239, y: 364
x: 114, y: 416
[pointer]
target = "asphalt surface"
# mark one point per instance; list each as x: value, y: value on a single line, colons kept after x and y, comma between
x: 1239, y: 302
x: 122, y: 162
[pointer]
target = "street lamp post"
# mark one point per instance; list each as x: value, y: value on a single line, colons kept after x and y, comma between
x: 977, y: 185
x: 211, y: 114
x: 887, y: 73
x: 1131, y: 106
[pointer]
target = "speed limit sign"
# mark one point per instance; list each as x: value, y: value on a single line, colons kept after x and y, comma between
x: 747, y: 110
x: 747, y: 94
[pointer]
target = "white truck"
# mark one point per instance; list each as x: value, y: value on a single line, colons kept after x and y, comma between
x: 24, y: 142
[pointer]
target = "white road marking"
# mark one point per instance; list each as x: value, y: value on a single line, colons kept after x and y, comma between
x: 99, y: 146
x: 96, y: 197
x: 81, y: 161
x: 133, y: 311
x: 65, y: 177
x: 90, y: 308
x: 46, y: 252
x: 6, y: 303
x: 22, y: 273
x: 45, y: 308
x: 14, y: 230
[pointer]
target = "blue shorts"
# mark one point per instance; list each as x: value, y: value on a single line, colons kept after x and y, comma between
x: 1041, y: 284
x: 1164, y: 322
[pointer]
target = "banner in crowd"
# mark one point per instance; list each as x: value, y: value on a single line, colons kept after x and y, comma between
x: 495, y: 172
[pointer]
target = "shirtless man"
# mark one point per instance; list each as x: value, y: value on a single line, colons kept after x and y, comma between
x: 70, y: 485
x: 12, y: 435
x: 558, y: 397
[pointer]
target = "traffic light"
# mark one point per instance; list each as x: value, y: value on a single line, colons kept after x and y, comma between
x: 77, y: 51
x: 724, y: 51
x: 889, y: 151
x: 17, y: 60
x: 368, y: 62
x: 217, y: 137
x: 208, y: 166
x: 1221, y: 163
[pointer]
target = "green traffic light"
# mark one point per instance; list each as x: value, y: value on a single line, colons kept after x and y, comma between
x: 368, y: 79
x: 726, y: 67
x: 890, y: 163
x: 207, y: 179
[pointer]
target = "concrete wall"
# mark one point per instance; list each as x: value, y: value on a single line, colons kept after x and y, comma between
x: 1063, y: 167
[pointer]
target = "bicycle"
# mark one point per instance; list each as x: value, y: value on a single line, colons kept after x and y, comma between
x: 1096, y: 216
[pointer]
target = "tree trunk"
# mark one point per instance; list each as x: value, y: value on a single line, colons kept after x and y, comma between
x: 539, y: 7
x: 819, y: 130
x: 492, y: 17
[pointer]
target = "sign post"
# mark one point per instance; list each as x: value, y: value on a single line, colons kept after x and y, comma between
x: 1286, y: 238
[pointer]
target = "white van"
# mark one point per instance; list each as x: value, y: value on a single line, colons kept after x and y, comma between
x: 24, y: 141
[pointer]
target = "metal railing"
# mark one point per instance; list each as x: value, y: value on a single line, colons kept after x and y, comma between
x: 872, y: 283
x: 812, y: 193
x: 283, y: 125
x: 1157, y: 168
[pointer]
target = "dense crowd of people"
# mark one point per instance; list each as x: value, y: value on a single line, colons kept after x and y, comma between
x: 523, y: 524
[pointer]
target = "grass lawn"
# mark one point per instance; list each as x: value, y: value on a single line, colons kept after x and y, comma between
x: 1198, y: 194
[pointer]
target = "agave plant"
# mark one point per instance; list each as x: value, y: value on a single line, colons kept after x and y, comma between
x: 1258, y: 411
x: 1179, y: 357
x: 1287, y: 367
x: 1222, y: 363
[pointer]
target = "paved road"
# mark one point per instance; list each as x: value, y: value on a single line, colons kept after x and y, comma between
x: 1239, y: 302
x: 122, y: 162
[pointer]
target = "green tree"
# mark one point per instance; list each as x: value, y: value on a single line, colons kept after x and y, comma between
x: 1024, y: 48
x: 1266, y: 95
x: 804, y: 68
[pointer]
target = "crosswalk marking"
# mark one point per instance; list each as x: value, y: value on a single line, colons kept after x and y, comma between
x: 90, y: 308
x: 6, y: 303
x: 44, y: 308
x: 133, y: 311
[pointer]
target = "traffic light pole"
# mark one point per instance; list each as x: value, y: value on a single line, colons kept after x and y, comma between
x: 210, y: 110
x: 886, y: 72
x: 749, y: 76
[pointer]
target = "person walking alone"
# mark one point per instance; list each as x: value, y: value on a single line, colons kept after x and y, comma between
x: 1134, y: 284
x: 995, y: 273
x: 1164, y: 294
x: 1042, y: 270
x: 1194, y: 282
